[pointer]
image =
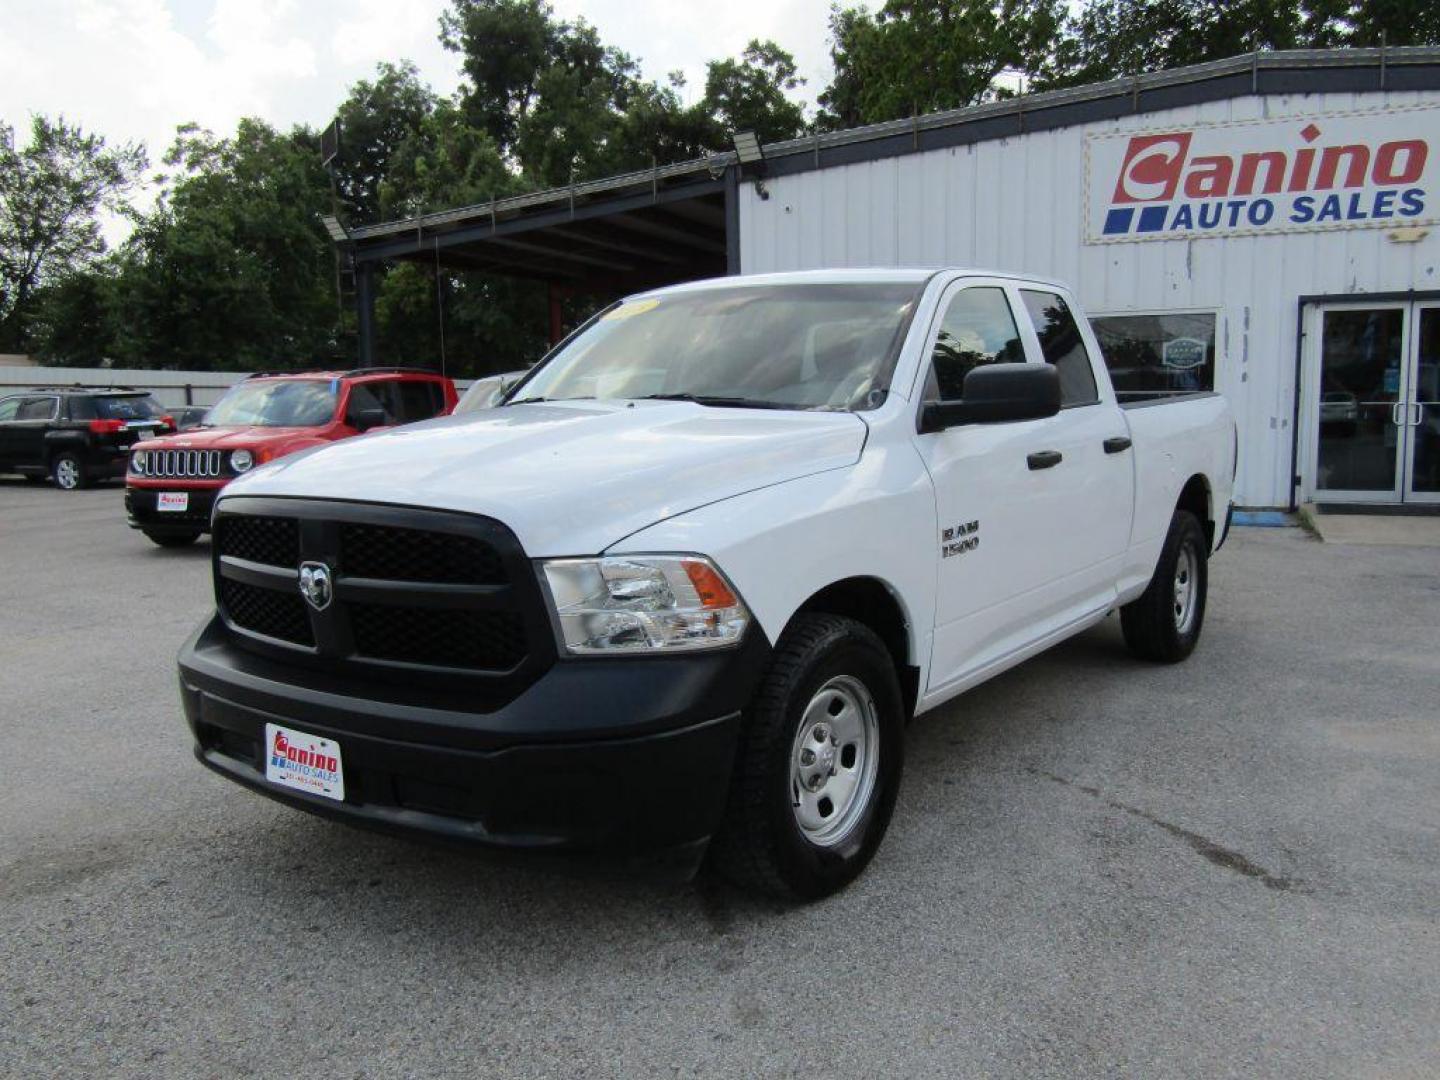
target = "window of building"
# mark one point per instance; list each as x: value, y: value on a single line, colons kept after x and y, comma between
x: 1062, y: 345
x: 978, y: 328
x: 1151, y: 355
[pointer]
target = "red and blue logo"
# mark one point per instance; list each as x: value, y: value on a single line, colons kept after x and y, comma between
x: 1165, y: 187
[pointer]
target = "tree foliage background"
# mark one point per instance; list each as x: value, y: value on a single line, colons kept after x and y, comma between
x: 231, y: 269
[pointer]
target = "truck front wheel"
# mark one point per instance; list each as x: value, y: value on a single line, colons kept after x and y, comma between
x: 1163, y: 623
x: 818, y: 765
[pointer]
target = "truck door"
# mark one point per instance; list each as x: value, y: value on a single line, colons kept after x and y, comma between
x: 1095, y: 477
x: 995, y: 523
x: 1014, y: 500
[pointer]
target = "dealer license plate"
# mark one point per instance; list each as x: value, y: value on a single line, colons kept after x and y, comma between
x: 178, y: 501
x: 305, y: 762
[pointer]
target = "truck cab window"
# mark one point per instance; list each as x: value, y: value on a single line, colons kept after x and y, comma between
x: 978, y: 328
x: 8, y: 408
x: 1062, y: 346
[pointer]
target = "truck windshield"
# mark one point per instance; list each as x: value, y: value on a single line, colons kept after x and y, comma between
x: 276, y: 403
x: 785, y: 347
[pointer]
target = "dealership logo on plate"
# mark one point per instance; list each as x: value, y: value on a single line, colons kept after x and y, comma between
x: 1296, y: 174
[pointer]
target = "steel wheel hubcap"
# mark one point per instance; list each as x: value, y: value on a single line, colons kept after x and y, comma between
x: 66, y: 473
x: 1185, y: 592
x: 834, y: 761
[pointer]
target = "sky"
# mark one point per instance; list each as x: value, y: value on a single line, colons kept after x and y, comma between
x: 135, y: 69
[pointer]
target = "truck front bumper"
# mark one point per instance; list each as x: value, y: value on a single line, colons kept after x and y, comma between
x: 591, y: 758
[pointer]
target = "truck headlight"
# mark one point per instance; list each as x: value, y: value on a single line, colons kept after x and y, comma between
x: 644, y: 604
x: 137, y: 461
x: 242, y: 461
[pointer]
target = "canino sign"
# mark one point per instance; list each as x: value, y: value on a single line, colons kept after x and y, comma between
x: 1343, y: 171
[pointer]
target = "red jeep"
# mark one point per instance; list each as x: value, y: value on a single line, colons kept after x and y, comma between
x: 172, y: 482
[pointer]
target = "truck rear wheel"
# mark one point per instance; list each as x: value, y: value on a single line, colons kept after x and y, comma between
x: 1163, y: 623
x: 819, y: 763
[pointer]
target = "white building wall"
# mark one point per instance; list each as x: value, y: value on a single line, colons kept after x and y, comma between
x: 1017, y: 204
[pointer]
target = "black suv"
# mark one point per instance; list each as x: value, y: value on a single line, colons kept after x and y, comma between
x: 77, y: 434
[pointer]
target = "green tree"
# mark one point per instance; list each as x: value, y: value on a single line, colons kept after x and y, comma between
x: 1107, y: 39
x: 52, y: 193
x: 442, y: 163
x: 1371, y: 22
x: 917, y: 56
x: 753, y: 93
x: 232, y: 268
x: 73, y: 324
x: 561, y: 106
x: 504, y: 45
x: 376, y: 119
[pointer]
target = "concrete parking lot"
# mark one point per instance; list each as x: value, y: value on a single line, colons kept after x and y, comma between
x: 1097, y: 867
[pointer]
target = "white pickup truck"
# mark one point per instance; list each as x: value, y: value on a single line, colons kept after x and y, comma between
x: 681, y: 591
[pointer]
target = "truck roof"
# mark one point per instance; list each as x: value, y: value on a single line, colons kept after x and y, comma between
x: 917, y: 275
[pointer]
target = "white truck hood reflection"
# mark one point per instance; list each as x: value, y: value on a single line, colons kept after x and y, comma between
x: 571, y: 478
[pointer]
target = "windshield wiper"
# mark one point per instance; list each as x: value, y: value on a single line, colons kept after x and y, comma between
x: 533, y: 400
x: 720, y: 401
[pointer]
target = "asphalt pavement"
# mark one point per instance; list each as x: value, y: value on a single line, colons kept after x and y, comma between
x: 1097, y: 867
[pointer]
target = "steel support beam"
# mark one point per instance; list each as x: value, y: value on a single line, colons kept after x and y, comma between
x: 365, y: 314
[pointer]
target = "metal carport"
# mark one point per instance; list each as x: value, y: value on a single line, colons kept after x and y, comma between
x: 610, y: 236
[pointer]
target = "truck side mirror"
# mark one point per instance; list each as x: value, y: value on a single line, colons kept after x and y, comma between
x: 365, y: 419
x: 997, y: 394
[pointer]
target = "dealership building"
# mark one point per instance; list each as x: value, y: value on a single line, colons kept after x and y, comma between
x: 1267, y: 227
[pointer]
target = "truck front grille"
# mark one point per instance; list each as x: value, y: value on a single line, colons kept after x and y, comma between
x: 182, y: 464
x: 456, y: 639
x: 413, y: 593
x: 377, y: 551
x: 274, y: 541
x: 279, y: 615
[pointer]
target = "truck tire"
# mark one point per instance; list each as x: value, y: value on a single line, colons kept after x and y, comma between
x: 69, y: 471
x: 172, y: 540
x: 1163, y: 623
x: 818, y: 765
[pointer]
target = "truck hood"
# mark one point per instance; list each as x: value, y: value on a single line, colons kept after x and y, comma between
x: 226, y: 438
x: 571, y: 478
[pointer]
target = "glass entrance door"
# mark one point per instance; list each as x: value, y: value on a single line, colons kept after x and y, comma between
x: 1422, y: 410
x: 1359, y: 423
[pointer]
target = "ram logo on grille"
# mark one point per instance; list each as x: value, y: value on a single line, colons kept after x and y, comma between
x: 182, y: 464
x: 315, y: 584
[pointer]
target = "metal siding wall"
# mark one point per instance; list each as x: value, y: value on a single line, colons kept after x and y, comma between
x: 1015, y: 204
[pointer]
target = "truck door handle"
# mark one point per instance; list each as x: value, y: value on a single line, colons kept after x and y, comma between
x: 1044, y: 459
x: 1116, y: 444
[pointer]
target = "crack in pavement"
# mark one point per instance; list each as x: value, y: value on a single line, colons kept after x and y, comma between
x: 1217, y: 854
